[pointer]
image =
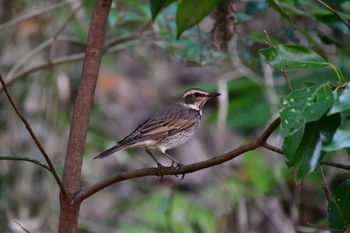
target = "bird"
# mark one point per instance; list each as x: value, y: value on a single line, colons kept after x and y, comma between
x: 168, y: 128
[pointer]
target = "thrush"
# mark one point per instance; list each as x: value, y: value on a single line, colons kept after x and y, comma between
x: 168, y: 128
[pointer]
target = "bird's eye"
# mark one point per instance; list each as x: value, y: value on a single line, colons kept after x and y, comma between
x: 197, y: 94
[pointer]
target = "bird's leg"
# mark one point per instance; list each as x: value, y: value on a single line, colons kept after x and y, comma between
x: 158, y: 163
x: 178, y: 164
x: 173, y: 161
x: 154, y: 158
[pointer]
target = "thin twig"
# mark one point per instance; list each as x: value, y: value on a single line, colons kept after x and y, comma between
x: 25, y: 159
x: 24, y: 59
x: 334, y: 12
x: 287, y: 79
x: 40, y: 47
x: 34, y: 14
x: 328, y: 193
x: 70, y: 58
x: 337, y: 165
x: 32, y: 134
x: 61, y: 29
x: 238, y: 66
x: 282, y: 70
x: 22, y: 227
x: 269, y: 41
x: 273, y: 148
x: 127, y: 38
x: 47, y: 65
x: 161, y: 171
x: 324, y: 184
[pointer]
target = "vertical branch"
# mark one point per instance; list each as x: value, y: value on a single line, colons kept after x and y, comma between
x: 69, y: 211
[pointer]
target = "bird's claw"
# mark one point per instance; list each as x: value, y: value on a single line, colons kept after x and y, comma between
x: 178, y: 165
x: 177, y: 168
x: 160, y: 166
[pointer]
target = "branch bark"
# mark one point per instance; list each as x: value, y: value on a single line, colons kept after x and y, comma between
x: 35, y: 139
x: 70, y: 206
x: 258, y: 142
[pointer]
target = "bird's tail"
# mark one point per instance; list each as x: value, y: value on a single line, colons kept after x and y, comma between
x: 110, y: 151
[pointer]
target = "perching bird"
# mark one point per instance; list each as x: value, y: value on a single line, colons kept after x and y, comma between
x: 168, y: 128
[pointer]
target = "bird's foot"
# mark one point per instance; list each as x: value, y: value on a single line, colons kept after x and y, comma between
x: 159, y: 167
x: 178, y: 165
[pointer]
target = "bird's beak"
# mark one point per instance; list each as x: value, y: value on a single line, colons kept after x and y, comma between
x: 214, y: 94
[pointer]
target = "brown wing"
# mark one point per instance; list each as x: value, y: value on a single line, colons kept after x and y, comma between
x: 164, y: 123
x: 166, y: 127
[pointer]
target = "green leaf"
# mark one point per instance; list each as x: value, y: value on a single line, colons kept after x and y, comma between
x: 253, y: 7
x: 293, y: 57
x: 291, y: 144
x: 191, y: 12
x: 303, y: 106
x: 279, y: 10
x: 304, y: 148
x: 341, y: 138
x: 342, y: 103
x: 339, y: 207
x: 158, y: 5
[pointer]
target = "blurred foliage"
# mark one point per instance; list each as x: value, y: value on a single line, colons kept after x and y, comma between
x: 141, y: 73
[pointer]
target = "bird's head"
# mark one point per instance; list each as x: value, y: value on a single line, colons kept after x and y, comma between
x: 196, y: 98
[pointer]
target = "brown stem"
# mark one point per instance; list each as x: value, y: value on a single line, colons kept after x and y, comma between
x: 22, y: 227
x: 337, y: 165
x: 258, y: 142
x: 25, y: 159
x: 328, y: 193
x: 34, y: 14
x: 69, y: 211
x: 284, y: 72
x: 72, y: 58
x: 47, y: 65
x: 334, y: 12
x: 35, y: 139
x: 273, y: 148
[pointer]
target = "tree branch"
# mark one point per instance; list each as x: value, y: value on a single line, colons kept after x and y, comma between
x: 25, y: 159
x: 69, y: 206
x: 334, y: 12
x: 32, y: 134
x: 337, y: 165
x: 71, y: 58
x: 258, y: 142
x: 273, y: 148
x: 22, y: 227
x: 48, y: 65
x: 34, y: 14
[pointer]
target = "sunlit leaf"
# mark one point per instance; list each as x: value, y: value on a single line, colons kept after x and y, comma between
x: 191, y: 12
x: 341, y: 138
x: 309, y: 152
x: 304, y: 148
x: 339, y: 207
x: 293, y: 57
x: 304, y: 105
x: 342, y: 103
